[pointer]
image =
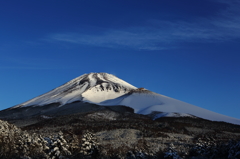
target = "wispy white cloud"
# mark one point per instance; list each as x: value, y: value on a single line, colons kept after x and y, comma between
x: 112, y: 39
x: 159, y: 34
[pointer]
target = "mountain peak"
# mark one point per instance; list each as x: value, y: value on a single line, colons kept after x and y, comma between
x: 99, y: 78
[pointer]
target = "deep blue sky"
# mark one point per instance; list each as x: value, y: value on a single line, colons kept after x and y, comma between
x: 188, y: 50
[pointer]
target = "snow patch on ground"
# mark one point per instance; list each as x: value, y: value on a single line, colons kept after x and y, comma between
x: 157, y: 115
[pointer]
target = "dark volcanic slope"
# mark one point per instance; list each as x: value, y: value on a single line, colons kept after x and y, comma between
x: 107, y: 119
x: 53, y: 110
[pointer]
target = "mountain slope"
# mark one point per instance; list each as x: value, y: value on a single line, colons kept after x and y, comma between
x: 108, y: 90
x: 146, y: 102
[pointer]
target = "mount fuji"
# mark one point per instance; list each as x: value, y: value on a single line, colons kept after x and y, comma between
x: 100, y: 90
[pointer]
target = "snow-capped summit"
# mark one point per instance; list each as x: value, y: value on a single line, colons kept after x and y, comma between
x: 92, y: 87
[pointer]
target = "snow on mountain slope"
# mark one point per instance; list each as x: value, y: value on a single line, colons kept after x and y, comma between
x: 108, y: 90
x: 93, y: 87
x: 146, y: 102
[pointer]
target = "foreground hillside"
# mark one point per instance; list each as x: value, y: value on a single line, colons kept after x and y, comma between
x: 112, y: 134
